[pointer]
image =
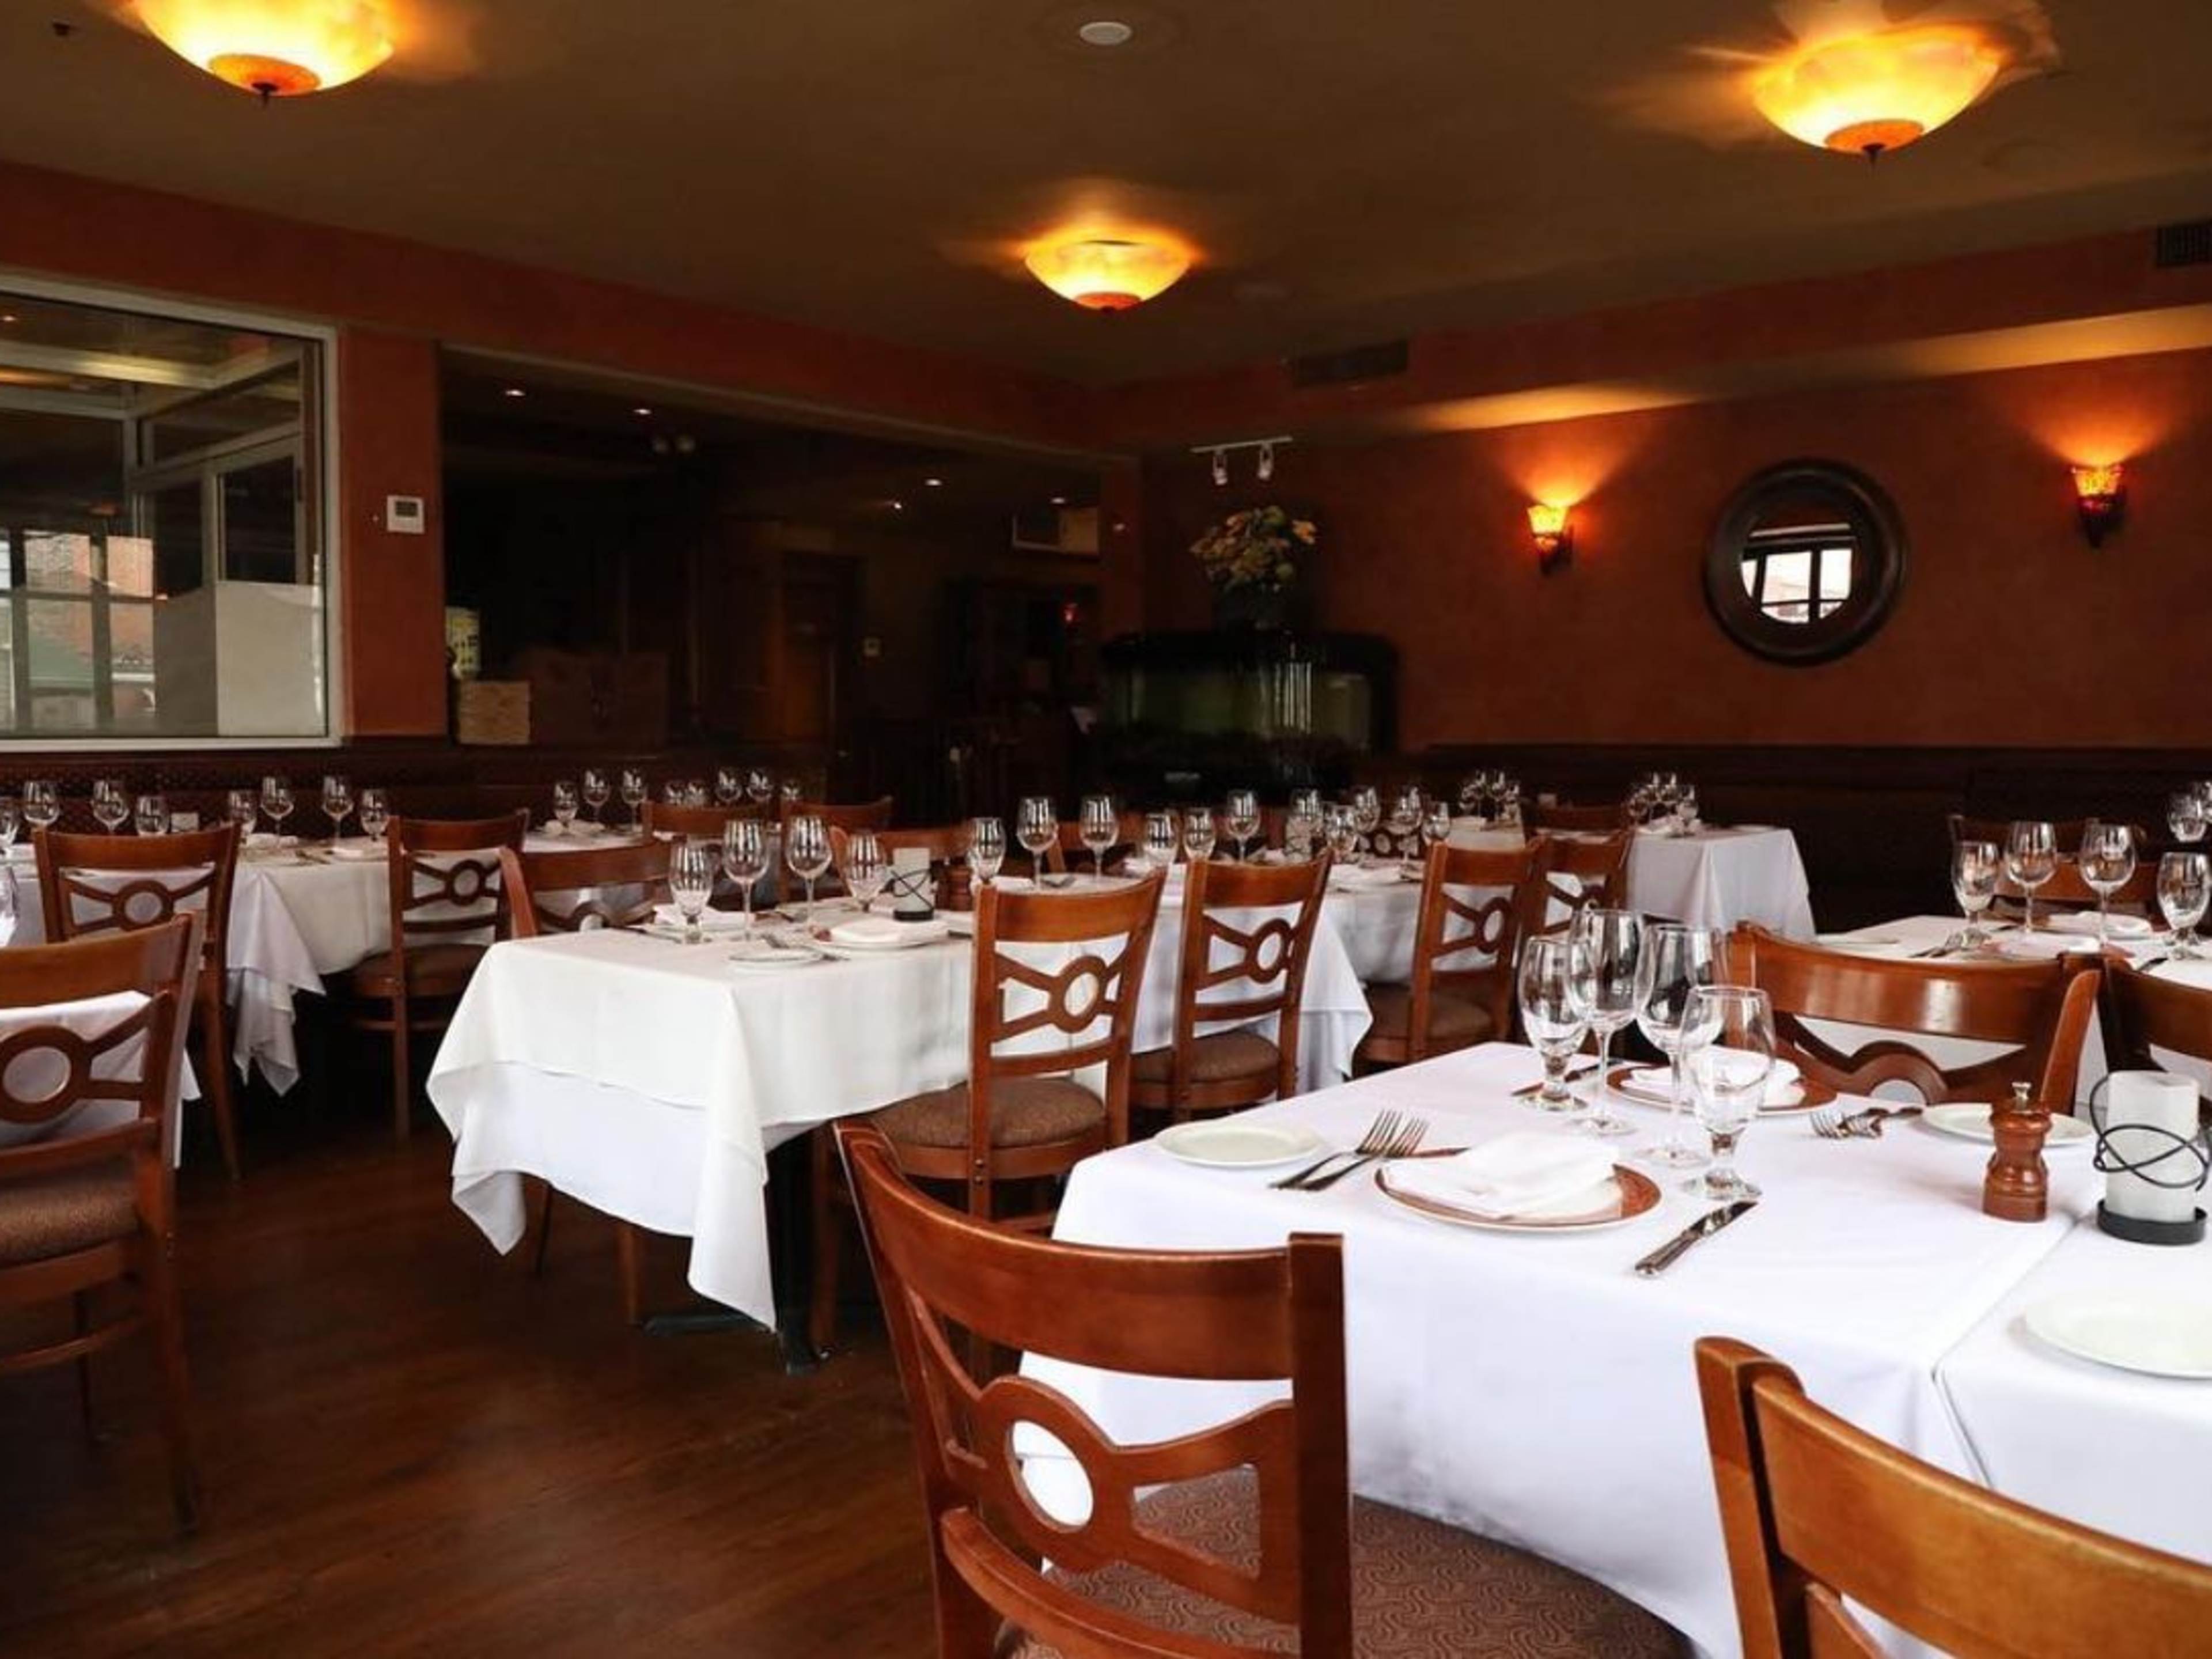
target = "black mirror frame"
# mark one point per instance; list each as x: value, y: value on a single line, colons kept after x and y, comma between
x: 1874, y: 525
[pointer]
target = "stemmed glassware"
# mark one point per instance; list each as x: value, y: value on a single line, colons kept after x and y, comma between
x: 1552, y: 1013
x: 375, y: 811
x: 1729, y: 1039
x: 338, y: 801
x: 1198, y: 834
x: 806, y: 850
x: 1099, y: 825
x: 2031, y: 860
x: 745, y: 858
x: 1341, y: 831
x: 1436, y: 824
x: 1162, y: 835
x: 1509, y: 802
x: 1366, y: 812
x: 760, y: 787
x: 596, y: 793
x: 634, y: 792
x: 1975, y: 866
x: 729, y: 786
x: 1240, y: 820
x: 564, y: 804
x: 1686, y: 810
x: 1301, y: 824
x: 242, y: 807
x: 1037, y: 826
x: 2185, y: 885
x: 2184, y: 816
x: 12, y: 821
x: 150, y: 814
x: 110, y: 805
x: 1405, y: 826
x: 276, y: 800
x: 987, y: 849
x: 1471, y: 791
x: 691, y: 867
x: 865, y: 868
x: 42, y: 803
x: 1679, y: 961
x: 788, y: 793
x: 1607, y: 963
x: 2108, y: 860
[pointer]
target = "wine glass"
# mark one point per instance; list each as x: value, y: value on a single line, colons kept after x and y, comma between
x: 564, y: 804
x: 277, y: 800
x: 729, y: 786
x: 760, y: 787
x: 1678, y: 961
x: 2031, y: 860
x: 1406, y: 825
x: 1097, y: 826
x: 1509, y: 803
x: 865, y: 868
x: 2108, y: 860
x: 1162, y: 835
x: 1551, y: 1015
x: 2185, y: 885
x: 1366, y: 812
x: 1687, y: 815
x: 1974, y: 868
x: 1729, y: 1039
x: 243, y: 808
x: 596, y: 792
x: 150, y: 814
x: 987, y: 849
x: 1470, y: 795
x: 1341, y: 831
x: 806, y: 850
x: 1240, y: 820
x: 1301, y: 824
x: 1436, y: 824
x: 338, y: 801
x: 2184, y: 816
x: 1037, y: 826
x: 671, y: 791
x: 1198, y: 834
x: 42, y: 803
x: 745, y: 856
x: 110, y: 805
x: 634, y: 793
x: 691, y: 867
x: 1606, y: 971
x: 788, y: 793
x: 375, y: 811
x: 11, y: 820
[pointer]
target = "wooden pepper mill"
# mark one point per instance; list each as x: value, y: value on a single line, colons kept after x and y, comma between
x: 2018, y: 1185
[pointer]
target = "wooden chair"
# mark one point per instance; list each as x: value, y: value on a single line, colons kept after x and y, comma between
x: 2143, y: 1014
x: 1069, y: 852
x: 1446, y: 1006
x: 1819, y: 1515
x: 1226, y: 1071
x: 2066, y: 833
x: 1249, y: 1538
x: 860, y: 815
x: 444, y: 895
x: 2067, y: 890
x: 82, y: 1210
x: 661, y: 818
x: 1021, y: 1115
x: 597, y: 879
x: 2041, y: 1008
x: 163, y: 876
x: 1577, y: 873
x: 1561, y: 816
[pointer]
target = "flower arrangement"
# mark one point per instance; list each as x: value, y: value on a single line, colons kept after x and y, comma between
x: 1257, y: 548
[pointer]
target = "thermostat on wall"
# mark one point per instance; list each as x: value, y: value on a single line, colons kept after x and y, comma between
x: 403, y: 514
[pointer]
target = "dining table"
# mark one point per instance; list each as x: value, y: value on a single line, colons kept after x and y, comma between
x: 1526, y: 1383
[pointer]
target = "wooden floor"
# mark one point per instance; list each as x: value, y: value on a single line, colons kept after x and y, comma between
x: 411, y: 1447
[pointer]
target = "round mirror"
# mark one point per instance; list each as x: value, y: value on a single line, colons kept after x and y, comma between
x: 1806, y: 563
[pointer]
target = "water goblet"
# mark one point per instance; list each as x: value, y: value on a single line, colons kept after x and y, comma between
x: 760, y: 787
x: 1240, y: 820
x: 1037, y: 826
x: 243, y: 808
x: 745, y: 859
x: 865, y: 868
x: 2031, y: 860
x: 2185, y: 885
x: 110, y: 805
x: 1679, y: 961
x: 1199, y: 834
x: 564, y: 804
x: 987, y: 849
x: 375, y: 811
x: 338, y: 801
x: 806, y: 850
x: 149, y: 814
x: 2184, y: 817
x: 42, y: 803
x: 1605, y: 982
x: 12, y: 821
x: 1975, y: 866
x: 1551, y: 1014
x: 596, y: 792
x: 729, y: 786
x: 1340, y: 831
x: 1163, y: 837
x: 1729, y: 1037
x: 276, y: 800
x: 2107, y: 861
x: 1366, y: 812
x: 691, y: 868
x: 1097, y: 824
x: 634, y: 792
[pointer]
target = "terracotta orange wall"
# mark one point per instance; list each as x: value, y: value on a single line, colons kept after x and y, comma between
x: 2010, y: 629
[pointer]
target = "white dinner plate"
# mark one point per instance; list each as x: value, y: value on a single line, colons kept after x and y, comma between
x: 1971, y: 1122
x: 2162, y: 1338
x: 1233, y: 1145
x: 909, y: 936
x: 765, y: 955
x: 1629, y: 1196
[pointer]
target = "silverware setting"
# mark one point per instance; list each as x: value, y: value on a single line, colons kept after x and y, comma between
x: 1830, y: 1123
x: 1393, y: 1134
x: 1696, y: 1233
x: 1574, y: 1075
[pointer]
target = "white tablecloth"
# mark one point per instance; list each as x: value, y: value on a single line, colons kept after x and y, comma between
x: 650, y: 1079
x: 1720, y: 877
x: 1533, y: 1388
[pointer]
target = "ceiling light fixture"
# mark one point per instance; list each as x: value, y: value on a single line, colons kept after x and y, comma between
x: 934, y: 484
x: 514, y: 392
x: 1263, y: 469
x: 1108, y: 273
x: 1867, y: 95
x: 1106, y: 32
x: 642, y: 409
x: 274, y: 48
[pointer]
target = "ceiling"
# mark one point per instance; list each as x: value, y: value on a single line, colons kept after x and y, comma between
x: 1346, y: 170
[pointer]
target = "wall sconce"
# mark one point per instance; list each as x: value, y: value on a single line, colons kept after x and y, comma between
x: 1554, y: 536
x: 2102, y: 492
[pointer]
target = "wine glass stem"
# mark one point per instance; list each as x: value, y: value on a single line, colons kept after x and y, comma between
x: 746, y: 898
x: 1598, y: 1113
x: 1674, y: 1096
x: 1723, y: 1171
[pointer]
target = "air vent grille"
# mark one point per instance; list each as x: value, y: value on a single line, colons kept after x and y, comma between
x: 1367, y: 362
x: 2185, y: 245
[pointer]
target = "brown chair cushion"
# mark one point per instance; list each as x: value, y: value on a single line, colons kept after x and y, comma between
x: 72, y: 1210
x: 1219, y: 1058
x: 432, y: 970
x: 1451, y: 1019
x: 1420, y: 1589
x: 1029, y: 1111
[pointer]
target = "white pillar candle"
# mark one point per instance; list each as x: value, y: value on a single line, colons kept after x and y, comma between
x: 910, y: 886
x: 2157, y: 1100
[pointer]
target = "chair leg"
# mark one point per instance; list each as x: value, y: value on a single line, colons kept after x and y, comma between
x: 630, y: 1264
x: 544, y: 1232
x: 214, y: 1039
x: 403, y: 1077
x: 828, y: 1241
x: 81, y: 1312
x: 166, y: 1323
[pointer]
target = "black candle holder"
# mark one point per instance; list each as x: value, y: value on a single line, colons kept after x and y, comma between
x: 2195, y: 1156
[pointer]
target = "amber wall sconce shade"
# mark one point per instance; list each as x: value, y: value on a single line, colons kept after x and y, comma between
x: 2101, y: 494
x: 1554, y: 536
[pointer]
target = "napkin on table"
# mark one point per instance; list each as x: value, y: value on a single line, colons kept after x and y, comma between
x: 711, y: 921
x: 1528, y: 1173
x: 2083, y: 924
x: 1781, y: 1082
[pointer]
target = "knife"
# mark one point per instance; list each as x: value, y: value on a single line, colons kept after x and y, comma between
x: 1703, y: 1228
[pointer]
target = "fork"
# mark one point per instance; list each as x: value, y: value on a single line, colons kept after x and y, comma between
x: 1404, y: 1143
x: 1379, y: 1134
x: 1866, y: 1124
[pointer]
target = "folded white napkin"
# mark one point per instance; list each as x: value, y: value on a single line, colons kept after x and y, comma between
x: 1360, y: 878
x: 1781, y: 1082
x: 2083, y: 924
x: 886, y: 933
x: 361, y: 849
x: 711, y: 921
x: 1528, y: 1173
x: 263, y: 840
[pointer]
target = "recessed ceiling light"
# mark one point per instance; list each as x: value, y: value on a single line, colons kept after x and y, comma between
x: 642, y: 409
x: 9, y: 317
x: 1060, y: 501
x: 516, y: 391
x: 1105, y: 32
x: 934, y: 483
x: 898, y: 506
